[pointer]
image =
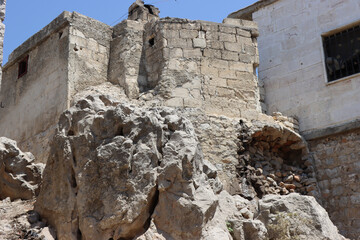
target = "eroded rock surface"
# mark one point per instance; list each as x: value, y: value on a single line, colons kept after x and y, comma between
x: 296, y: 217
x: 114, y: 166
x: 19, y: 175
x: 118, y: 171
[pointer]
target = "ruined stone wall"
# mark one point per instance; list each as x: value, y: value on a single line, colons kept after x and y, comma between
x: 66, y: 56
x: 126, y: 66
x: 337, y: 170
x: 33, y: 102
x: 89, y: 50
x: 205, y: 65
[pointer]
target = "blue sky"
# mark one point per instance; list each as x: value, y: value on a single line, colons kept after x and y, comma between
x: 24, y: 18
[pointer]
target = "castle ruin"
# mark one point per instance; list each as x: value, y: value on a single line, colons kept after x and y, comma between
x: 203, y: 69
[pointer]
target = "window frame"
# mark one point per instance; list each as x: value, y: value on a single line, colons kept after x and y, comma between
x: 335, y: 30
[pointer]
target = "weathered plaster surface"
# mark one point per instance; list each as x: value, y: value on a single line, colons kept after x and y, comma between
x: 292, y: 68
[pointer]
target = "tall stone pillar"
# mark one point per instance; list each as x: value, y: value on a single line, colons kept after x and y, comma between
x: 2, y: 33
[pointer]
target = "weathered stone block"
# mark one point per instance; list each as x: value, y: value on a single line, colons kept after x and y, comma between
x: 227, y: 73
x: 176, y: 52
x: 220, y: 82
x: 210, y: 27
x: 228, y: 55
x: 171, y: 34
x: 227, y: 29
x: 190, y: 53
x: 217, y: 63
x: 212, y: 53
x: 199, y: 43
x: 184, y: 33
x: 215, y: 45
x: 225, y: 37
x: 243, y: 67
x: 235, y: 47
x: 243, y: 33
x: 225, y: 92
x: 180, y: 43
x: 209, y: 71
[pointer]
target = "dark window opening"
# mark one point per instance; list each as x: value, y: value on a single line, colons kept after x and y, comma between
x: 342, y: 53
x: 149, y: 7
x: 23, y: 67
x: 152, y: 41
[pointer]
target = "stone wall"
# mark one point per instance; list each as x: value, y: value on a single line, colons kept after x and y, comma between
x: 126, y: 65
x: 63, y: 58
x: 33, y: 101
x: 338, y: 171
x: 292, y: 61
x: 89, y: 50
x: 204, y: 65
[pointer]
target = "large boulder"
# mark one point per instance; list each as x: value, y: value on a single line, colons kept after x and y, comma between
x: 296, y: 217
x: 20, y: 177
x: 115, y: 168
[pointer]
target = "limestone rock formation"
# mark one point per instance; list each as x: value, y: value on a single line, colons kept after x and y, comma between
x: 19, y: 175
x: 296, y: 217
x: 112, y: 165
x: 118, y: 171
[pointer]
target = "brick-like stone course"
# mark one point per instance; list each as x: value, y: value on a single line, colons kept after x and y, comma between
x: 338, y: 172
x: 195, y: 53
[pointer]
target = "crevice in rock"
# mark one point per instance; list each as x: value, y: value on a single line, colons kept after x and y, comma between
x: 79, y: 234
x: 73, y: 182
x: 154, y: 202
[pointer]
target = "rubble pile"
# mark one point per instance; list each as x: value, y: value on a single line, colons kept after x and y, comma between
x: 274, y: 159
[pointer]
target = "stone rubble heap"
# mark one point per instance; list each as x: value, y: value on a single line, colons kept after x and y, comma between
x: 19, y: 221
x: 274, y: 159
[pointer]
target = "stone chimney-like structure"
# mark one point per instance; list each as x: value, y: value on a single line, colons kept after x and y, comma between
x: 140, y: 11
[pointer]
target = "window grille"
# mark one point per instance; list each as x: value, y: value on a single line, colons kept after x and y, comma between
x: 342, y: 53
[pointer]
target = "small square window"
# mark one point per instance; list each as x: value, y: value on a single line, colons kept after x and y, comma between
x: 23, y: 67
x: 342, y: 53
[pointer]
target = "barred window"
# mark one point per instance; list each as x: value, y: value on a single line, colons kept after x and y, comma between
x: 342, y: 53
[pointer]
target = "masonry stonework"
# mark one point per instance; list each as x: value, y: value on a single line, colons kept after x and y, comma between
x: 337, y: 167
x: 63, y: 58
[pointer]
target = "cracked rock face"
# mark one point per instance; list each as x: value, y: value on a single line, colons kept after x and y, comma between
x: 19, y: 175
x: 113, y: 166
